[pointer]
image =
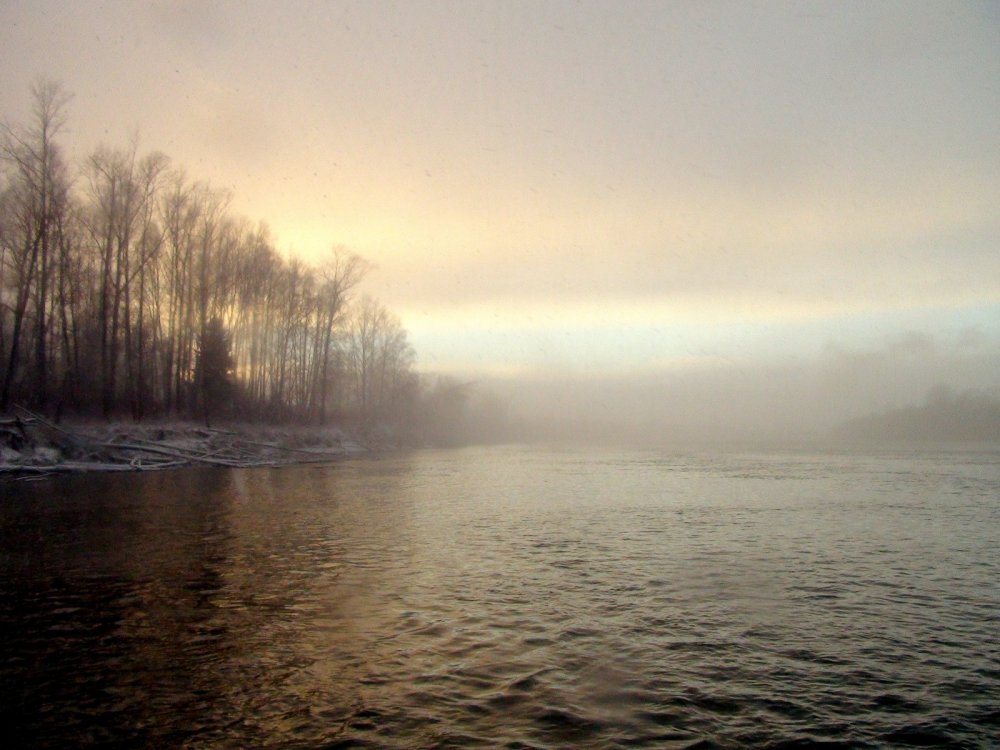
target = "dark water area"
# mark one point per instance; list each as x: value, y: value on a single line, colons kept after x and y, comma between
x: 509, y: 597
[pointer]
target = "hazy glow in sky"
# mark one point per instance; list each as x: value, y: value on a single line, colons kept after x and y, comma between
x: 590, y: 187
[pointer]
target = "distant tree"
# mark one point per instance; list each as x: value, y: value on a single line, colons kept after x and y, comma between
x: 341, y: 272
x: 381, y: 361
x: 444, y: 411
x: 214, y: 370
x: 945, y: 415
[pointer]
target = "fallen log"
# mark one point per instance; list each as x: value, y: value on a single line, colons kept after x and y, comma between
x: 290, y: 449
x: 173, y: 453
x: 73, y: 467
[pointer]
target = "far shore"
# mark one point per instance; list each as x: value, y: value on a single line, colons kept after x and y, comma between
x: 32, y: 446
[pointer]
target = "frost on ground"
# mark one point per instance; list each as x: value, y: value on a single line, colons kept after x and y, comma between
x: 29, y: 444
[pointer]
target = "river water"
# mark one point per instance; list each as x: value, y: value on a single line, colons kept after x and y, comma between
x: 509, y: 597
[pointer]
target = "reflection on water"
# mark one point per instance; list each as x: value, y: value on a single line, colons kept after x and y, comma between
x: 508, y: 597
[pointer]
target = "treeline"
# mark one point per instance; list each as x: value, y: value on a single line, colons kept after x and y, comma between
x: 969, y: 415
x: 129, y: 289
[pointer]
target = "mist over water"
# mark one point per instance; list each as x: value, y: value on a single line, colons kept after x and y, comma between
x: 947, y: 386
x: 510, y: 596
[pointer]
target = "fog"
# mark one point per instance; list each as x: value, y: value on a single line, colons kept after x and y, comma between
x: 784, y: 400
x: 656, y: 220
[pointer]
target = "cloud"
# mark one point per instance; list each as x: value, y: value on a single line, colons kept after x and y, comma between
x: 194, y: 27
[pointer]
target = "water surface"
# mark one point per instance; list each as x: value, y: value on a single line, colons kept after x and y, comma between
x: 509, y: 597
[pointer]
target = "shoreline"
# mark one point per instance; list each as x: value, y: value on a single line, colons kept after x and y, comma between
x: 33, y: 447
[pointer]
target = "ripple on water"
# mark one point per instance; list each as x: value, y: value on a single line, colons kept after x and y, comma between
x: 513, y: 599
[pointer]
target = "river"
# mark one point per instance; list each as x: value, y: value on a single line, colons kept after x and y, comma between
x: 519, y: 597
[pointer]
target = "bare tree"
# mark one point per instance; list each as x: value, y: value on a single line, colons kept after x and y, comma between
x: 119, y: 294
x: 124, y: 240
x: 338, y: 276
x: 380, y: 357
x: 35, y: 204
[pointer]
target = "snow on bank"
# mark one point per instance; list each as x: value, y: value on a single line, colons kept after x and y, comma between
x: 31, y: 445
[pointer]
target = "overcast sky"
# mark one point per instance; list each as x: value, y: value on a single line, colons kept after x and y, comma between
x: 596, y: 189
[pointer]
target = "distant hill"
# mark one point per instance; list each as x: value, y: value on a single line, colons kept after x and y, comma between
x: 967, y: 416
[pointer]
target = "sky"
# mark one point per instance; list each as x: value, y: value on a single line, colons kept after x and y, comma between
x: 676, y: 193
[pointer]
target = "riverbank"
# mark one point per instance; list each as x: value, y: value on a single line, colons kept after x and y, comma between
x: 32, y: 446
